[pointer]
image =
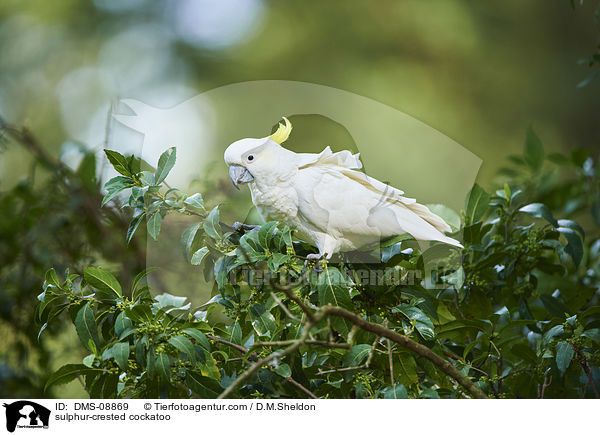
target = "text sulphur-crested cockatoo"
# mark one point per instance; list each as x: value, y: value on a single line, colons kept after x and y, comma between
x: 324, y: 196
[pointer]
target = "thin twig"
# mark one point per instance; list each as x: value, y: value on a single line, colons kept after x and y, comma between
x: 545, y: 384
x: 275, y: 355
x: 309, y: 342
x: 586, y: 368
x: 228, y: 343
x: 390, y: 360
x: 283, y: 307
x: 254, y: 358
x: 288, y: 290
x: 343, y: 369
x: 301, y: 387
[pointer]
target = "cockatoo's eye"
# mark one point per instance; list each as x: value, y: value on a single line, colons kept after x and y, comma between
x: 250, y: 157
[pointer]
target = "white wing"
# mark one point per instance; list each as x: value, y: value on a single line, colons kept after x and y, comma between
x: 345, y: 203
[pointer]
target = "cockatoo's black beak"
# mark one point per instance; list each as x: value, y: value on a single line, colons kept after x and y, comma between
x: 239, y: 175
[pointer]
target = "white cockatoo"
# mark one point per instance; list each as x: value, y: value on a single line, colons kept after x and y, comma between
x: 324, y: 196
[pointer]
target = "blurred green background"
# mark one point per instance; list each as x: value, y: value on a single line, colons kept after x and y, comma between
x: 479, y: 72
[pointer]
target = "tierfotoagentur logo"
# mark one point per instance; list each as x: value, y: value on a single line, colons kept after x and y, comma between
x: 25, y: 414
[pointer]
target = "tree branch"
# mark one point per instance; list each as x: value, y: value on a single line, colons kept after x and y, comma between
x: 402, y: 340
x: 290, y: 294
x: 309, y: 342
x: 586, y: 368
x: 411, y: 345
x: 275, y: 355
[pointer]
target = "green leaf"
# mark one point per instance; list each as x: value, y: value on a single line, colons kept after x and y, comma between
x: 534, y: 150
x: 203, y: 386
x: 265, y: 234
x: 507, y: 191
x: 195, y: 200
x: 165, y: 164
x: 104, y: 281
x: 283, y: 370
x: 139, y: 279
x: 147, y: 178
x: 199, y: 337
x: 66, y: 374
x: 119, y: 182
x: 187, y: 239
x: 126, y: 333
x: 574, y: 244
x: 539, y: 210
x: 184, y: 345
x: 567, y: 223
x: 397, y: 391
x: 211, y: 224
x: 163, y: 366
x: 120, y: 352
x: 235, y: 332
x: 551, y: 333
x: 594, y: 334
x: 554, y: 306
x: 389, y: 252
x: 477, y: 203
x: 199, y: 256
x: 207, y: 364
x: 168, y: 300
x: 406, y: 368
x: 115, y: 186
x: 262, y: 320
x: 52, y: 278
x: 119, y: 162
x: 140, y: 313
x: 122, y: 323
x: 85, y: 324
x: 564, y: 354
x: 421, y: 321
x: 356, y: 356
x: 250, y: 250
x: 88, y: 361
x: 456, y: 278
x: 42, y: 328
x: 150, y: 363
x: 133, y: 226
x: 153, y: 225
x: 332, y: 287
x: 276, y: 260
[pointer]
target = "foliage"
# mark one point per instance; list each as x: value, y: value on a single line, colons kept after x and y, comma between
x: 52, y: 216
x: 514, y: 314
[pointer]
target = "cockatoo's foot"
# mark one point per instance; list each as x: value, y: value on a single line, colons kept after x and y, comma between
x: 315, y: 258
x: 238, y: 226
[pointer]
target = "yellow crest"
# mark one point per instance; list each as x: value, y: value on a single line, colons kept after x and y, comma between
x: 283, y: 132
